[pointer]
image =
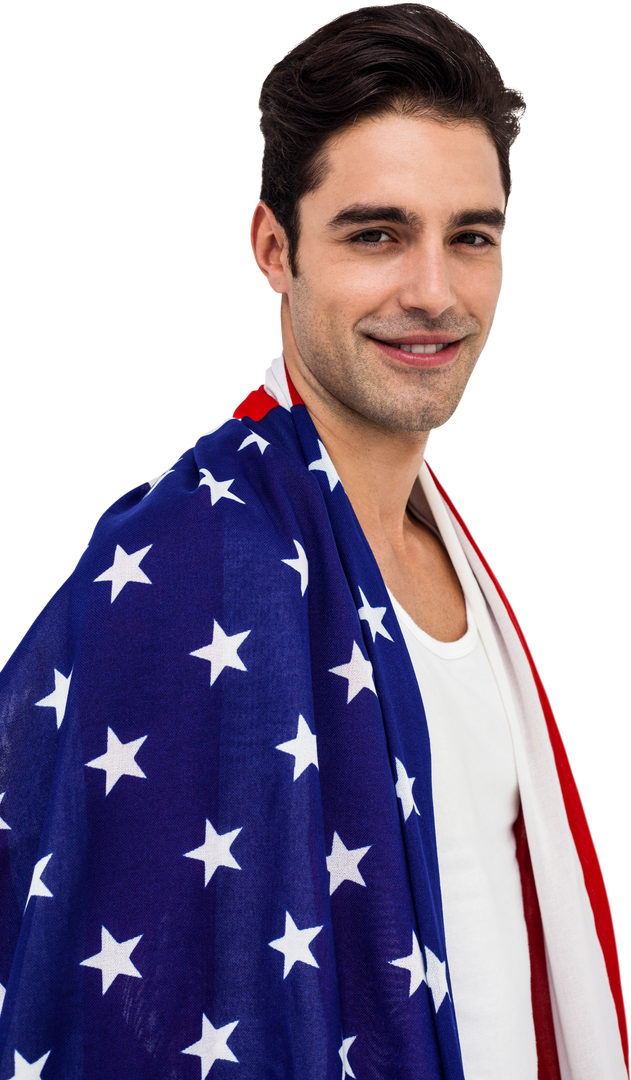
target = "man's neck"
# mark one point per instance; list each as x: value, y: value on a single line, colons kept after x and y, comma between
x: 377, y: 467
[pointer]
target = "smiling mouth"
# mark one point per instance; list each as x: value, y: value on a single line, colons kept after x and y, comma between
x: 418, y: 348
x: 420, y: 354
x: 427, y: 349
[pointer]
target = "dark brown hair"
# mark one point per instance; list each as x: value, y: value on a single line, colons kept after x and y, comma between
x: 407, y: 58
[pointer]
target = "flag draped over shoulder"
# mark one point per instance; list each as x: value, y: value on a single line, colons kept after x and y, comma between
x: 217, y: 846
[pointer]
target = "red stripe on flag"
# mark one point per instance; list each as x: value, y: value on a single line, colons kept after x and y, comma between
x: 592, y: 873
x: 259, y: 402
x: 547, y: 1056
x: 256, y: 405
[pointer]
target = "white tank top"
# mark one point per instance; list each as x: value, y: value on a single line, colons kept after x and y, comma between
x: 476, y: 801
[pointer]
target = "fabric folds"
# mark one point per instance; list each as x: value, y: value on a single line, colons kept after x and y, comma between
x: 217, y: 849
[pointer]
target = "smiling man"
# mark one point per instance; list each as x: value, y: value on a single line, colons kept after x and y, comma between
x: 282, y: 792
x: 384, y: 318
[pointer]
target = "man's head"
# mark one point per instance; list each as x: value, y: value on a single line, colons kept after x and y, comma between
x: 407, y: 59
x: 385, y: 178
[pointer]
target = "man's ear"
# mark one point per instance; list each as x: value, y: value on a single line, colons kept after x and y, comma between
x: 269, y: 245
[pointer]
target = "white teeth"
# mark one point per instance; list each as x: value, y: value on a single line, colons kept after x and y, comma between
x: 428, y: 349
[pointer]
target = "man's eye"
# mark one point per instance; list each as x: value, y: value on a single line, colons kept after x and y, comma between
x: 472, y: 239
x: 372, y: 236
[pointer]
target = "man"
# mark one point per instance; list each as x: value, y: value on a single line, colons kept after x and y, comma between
x: 283, y: 796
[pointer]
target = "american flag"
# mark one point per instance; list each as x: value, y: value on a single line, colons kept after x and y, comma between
x: 217, y: 847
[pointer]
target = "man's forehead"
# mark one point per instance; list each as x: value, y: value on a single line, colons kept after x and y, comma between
x: 408, y: 166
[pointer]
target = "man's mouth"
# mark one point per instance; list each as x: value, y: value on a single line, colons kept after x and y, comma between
x: 420, y: 354
x: 420, y: 348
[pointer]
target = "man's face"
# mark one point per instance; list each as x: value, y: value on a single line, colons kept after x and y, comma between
x: 399, y: 270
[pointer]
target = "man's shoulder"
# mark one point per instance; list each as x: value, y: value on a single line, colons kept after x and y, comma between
x: 207, y: 531
x: 224, y: 465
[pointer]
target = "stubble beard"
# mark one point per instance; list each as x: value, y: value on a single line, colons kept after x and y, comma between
x: 357, y: 391
x: 359, y: 388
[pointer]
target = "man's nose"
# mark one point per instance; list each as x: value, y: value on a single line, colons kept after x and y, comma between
x: 427, y: 284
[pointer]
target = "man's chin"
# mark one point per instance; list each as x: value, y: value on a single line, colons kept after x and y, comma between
x: 408, y: 417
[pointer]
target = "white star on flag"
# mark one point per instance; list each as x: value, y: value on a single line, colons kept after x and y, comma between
x: 325, y: 465
x: 301, y: 565
x: 374, y: 617
x: 118, y: 760
x: 3, y: 824
x: 219, y: 489
x: 2, y: 993
x: 414, y: 964
x: 304, y: 748
x: 37, y: 885
x: 255, y: 439
x: 58, y: 699
x: 342, y: 864
x: 344, y: 1048
x: 23, y: 1070
x: 358, y: 671
x: 294, y: 945
x: 124, y: 569
x: 213, y: 1045
x: 215, y: 851
x: 403, y: 789
x: 114, y: 958
x: 153, y: 481
x: 222, y: 651
x: 436, y: 978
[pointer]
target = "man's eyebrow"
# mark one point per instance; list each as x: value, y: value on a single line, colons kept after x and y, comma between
x: 366, y: 214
